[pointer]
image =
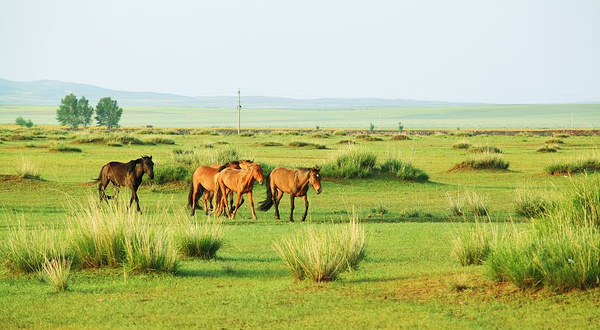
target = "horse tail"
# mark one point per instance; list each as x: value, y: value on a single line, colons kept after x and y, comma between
x: 268, y: 202
x: 191, y: 199
x: 217, y: 198
x: 99, y: 175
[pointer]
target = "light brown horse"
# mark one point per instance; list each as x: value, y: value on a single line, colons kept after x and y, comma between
x: 294, y: 182
x: 203, y: 184
x: 125, y: 174
x: 240, y: 181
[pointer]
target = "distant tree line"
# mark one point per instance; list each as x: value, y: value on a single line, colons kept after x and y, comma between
x: 74, y: 112
x: 22, y: 122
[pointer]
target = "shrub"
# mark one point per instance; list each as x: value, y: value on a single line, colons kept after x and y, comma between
x: 22, y: 122
x: 555, y: 141
x: 474, y: 247
x: 486, y: 149
x: 462, y: 144
x: 27, y: 170
x: 113, y: 238
x: 321, y: 254
x: 57, y: 272
x: 351, y: 164
x: 202, y: 241
x: 530, y: 205
x: 404, y: 170
x: 64, y: 148
x: 26, y: 250
x: 484, y: 161
x: 574, y: 166
x: 400, y: 137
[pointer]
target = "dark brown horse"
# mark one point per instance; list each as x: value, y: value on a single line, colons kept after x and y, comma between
x: 203, y: 184
x: 294, y: 182
x: 125, y: 174
x: 240, y: 181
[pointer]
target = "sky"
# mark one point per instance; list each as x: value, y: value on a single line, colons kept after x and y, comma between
x: 503, y: 51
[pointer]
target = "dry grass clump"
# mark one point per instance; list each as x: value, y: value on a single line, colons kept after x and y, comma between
x: 400, y: 137
x: 200, y: 240
x: 549, y: 148
x: 588, y: 164
x: 57, y: 272
x: 485, y: 149
x: 64, y: 148
x: 26, y: 169
x: 301, y: 144
x: 474, y: 246
x: 462, y: 144
x: 322, y: 254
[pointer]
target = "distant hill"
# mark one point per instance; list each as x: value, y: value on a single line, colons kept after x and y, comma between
x: 50, y: 92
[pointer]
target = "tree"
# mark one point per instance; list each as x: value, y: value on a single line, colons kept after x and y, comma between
x: 108, y: 112
x: 22, y: 122
x: 73, y: 112
x: 85, y: 111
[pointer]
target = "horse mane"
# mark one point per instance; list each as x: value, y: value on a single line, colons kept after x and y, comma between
x: 132, y: 164
x: 226, y: 165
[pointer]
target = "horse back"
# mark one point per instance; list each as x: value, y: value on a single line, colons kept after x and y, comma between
x: 288, y: 180
x: 205, y: 176
x: 116, y: 172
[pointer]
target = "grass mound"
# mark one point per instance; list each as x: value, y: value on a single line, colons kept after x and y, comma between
x: 485, y: 149
x: 165, y: 173
x: 404, y: 170
x: 581, y: 165
x: 300, y: 144
x: 351, y: 164
x: 26, y: 250
x: 530, y: 205
x: 160, y: 140
x: 549, y: 148
x: 463, y: 144
x: 484, y: 161
x: 270, y: 144
x: 64, y: 148
x: 400, y: 137
x: 322, y: 254
x: 555, y: 141
x: 201, y: 240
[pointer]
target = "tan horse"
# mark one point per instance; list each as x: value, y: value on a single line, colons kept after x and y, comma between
x: 203, y: 183
x: 241, y: 181
x: 294, y: 182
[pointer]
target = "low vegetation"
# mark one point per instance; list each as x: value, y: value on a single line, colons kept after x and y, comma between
x: 26, y: 169
x: 57, y: 272
x: 485, y: 149
x: 400, y: 137
x: 574, y: 166
x: 530, y: 205
x: 353, y: 163
x: 549, y: 148
x: 200, y: 240
x: 475, y: 245
x: 404, y: 170
x: 485, y: 161
x: 300, y: 144
x: 462, y: 144
x: 64, y: 148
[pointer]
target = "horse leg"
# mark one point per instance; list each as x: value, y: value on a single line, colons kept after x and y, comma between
x: 305, y: 198
x: 251, y: 204
x: 292, y: 207
x: 194, y: 194
x: 137, y: 199
x: 205, y: 202
x: 102, y: 190
x: 277, y: 196
x: 131, y: 199
x: 237, y: 205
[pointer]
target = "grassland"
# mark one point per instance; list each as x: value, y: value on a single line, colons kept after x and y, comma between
x: 449, y: 117
x: 409, y: 279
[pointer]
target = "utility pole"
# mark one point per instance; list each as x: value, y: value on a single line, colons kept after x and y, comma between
x: 239, y: 109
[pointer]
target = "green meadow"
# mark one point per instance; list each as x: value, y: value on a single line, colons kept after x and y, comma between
x: 409, y: 278
x: 447, y: 117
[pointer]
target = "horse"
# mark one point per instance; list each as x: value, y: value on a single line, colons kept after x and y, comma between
x: 241, y: 181
x: 125, y: 174
x: 294, y: 182
x: 203, y: 183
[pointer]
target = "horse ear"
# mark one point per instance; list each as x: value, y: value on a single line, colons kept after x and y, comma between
x: 150, y: 157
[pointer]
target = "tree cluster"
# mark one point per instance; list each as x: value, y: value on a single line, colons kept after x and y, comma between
x: 74, y: 112
x: 22, y: 122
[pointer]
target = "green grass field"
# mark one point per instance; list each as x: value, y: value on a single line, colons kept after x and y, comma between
x: 409, y: 278
x: 450, y: 117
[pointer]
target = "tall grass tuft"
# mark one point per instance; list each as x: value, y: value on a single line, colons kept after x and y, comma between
x: 26, y: 169
x: 462, y: 144
x: 530, y: 205
x: 64, y: 148
x: 476, y: 203
x: 26, y: 250
x: 456, y: 204
x: 112, y: 238
x: 474, y: 246
x: 322, y: 254
x: 484, y: 161
x: 200, y: 240
x: 404, y: 170
x: 353, y: 163
x: 165, y: 173
x: 562, y: 250
x: 57, y: 272
x: 486, y: 149
x: 589, y: 164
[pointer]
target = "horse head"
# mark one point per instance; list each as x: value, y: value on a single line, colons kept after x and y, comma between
x: 257, y: 172
x: 148, y: 166
x: 314, y: 178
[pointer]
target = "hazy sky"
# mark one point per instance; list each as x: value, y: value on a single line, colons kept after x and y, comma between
x: 490, y: 51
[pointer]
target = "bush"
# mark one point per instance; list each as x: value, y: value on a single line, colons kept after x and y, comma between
x: 352, y: 164
x: 404, y: 170
x: 22, y: 122
x: 400, y: 137
x: 474, y: 247
x: 486, y: 149
x: 549, y: 148
x: 160, y: 140
x: 581, y: 165
x: 64, y: 148
x: 201, y: 241
x: 321, y: 254
x: 462, y: 144
x: 484, y: 161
